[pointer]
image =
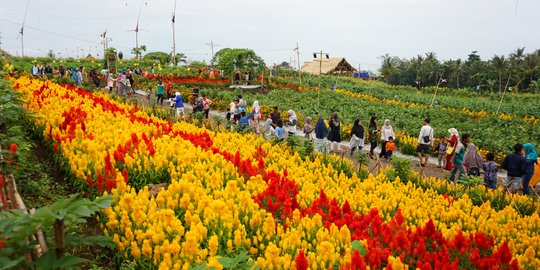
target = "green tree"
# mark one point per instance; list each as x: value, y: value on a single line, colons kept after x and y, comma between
x: 51, y: 53
x: 389, y: 68
x: 231, y: 59
x: 180, y: 58
x: 499, y: 63
x: 161, y: 57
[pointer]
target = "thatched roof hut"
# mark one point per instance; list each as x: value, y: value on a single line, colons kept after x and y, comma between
x: 332, y: 66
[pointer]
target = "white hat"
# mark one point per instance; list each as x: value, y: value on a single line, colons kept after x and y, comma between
x: 177, y: 93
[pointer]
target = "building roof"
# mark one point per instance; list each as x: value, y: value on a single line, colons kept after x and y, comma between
x: 329, y: 66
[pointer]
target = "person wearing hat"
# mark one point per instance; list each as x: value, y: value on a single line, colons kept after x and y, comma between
x: 179, y: 104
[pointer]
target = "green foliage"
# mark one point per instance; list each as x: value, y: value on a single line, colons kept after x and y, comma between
x: 402, y: 169
x: 231, y: 60
x: 17, y: 227
x: 158, y: 57
x: 357, y: 245
x: 240, y: 261
x: 293, y: 141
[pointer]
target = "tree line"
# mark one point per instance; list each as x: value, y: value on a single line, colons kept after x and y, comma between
x: 518, y: 71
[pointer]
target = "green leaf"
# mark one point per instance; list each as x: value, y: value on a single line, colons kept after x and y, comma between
x: 68, y: 261
x: 46, y: 261
x: 357, y: 245
x: 6, y: 263
x: 226, y: 262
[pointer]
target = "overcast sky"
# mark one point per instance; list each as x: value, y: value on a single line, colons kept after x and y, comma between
x: 359, y: 30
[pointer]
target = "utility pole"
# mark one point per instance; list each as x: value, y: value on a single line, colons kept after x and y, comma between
x: 320, y: 60
x: 173, y: 58
x: 22, y: 28
x: 297, y: 50
x: 212, y: 46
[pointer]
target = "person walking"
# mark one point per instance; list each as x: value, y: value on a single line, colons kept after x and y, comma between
x: 441, y: 151
x: 160, y: 92
x: 531, y: 159
x: 513, y: 164
x: 110, y: 82
x: 472, y: 160
x: 256, y: 109
x: 457, y: 158
x: 490, y: 171
x: 35, y: 70
x: 334, y: 135
x: 179, y: 104
x: 291, y: 123
x: 206, y: 106
x: 241, y: 105
x: 425, y: 141
x: 452, y: 143
x: 308, y: 128
x: 357, y: 136
x: 321, y: 131
x: 372, y: 129
x: 386, y: 132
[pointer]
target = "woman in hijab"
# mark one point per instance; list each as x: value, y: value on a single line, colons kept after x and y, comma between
x: 321, y: 131
x: 268, y: 128
x: 452, y: 143
x: 74, y: 75
x: 386, y: 132
x: 256, y: 117
x: 528, y: 168
x: 472, y: 160
x: 357, y: 136
x: 373, y: 134
x: 333, y: 136
x: 308, y: 128
x: 291, y: 123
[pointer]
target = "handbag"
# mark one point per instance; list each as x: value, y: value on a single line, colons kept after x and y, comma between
x: 450, y: 150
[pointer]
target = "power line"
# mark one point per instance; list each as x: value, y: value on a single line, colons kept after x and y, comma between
x: 57, y: 34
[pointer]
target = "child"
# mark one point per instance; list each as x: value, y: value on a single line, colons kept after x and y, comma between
x: 490, y: 172
x: 441, y: 148
x: 390, y: 148
x: 280, y: 130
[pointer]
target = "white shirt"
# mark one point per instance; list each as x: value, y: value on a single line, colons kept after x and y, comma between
x: 426, y: 131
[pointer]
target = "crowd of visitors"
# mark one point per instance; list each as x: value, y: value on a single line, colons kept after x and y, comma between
x: 456, y: 154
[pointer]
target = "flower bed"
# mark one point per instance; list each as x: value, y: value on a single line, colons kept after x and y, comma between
x: 230, y: 193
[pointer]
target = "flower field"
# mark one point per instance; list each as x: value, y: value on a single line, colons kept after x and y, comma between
x: 232, y: 194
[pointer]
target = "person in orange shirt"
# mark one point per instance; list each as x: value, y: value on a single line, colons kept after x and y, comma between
x: 390, y: 148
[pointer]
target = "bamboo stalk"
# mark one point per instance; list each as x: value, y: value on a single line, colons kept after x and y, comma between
x: 40, y: 238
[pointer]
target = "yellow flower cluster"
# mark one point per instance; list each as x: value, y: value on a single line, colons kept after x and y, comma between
x: 208, y: 210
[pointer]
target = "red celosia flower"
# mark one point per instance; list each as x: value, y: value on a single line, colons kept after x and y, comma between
x: 301, y: 261
x: 13, y: 148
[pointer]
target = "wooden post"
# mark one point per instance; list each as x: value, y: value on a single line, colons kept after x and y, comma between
x: 59, y: 238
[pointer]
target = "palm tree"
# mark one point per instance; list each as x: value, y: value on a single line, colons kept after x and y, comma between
x: 499, y: 64
x: 534, y: 86
x: 531, y: 65
x: 417, y: 64
x: 388, y: 67
x: 458, y: 69
x: 432, y: 65
x: 179, y: 58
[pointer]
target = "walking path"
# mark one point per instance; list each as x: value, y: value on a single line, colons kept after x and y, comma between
x: 430, y: 170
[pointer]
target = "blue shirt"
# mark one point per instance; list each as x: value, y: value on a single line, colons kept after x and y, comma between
x: 160, y: 89
x: 179, y: 102
x: 280, y: 133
